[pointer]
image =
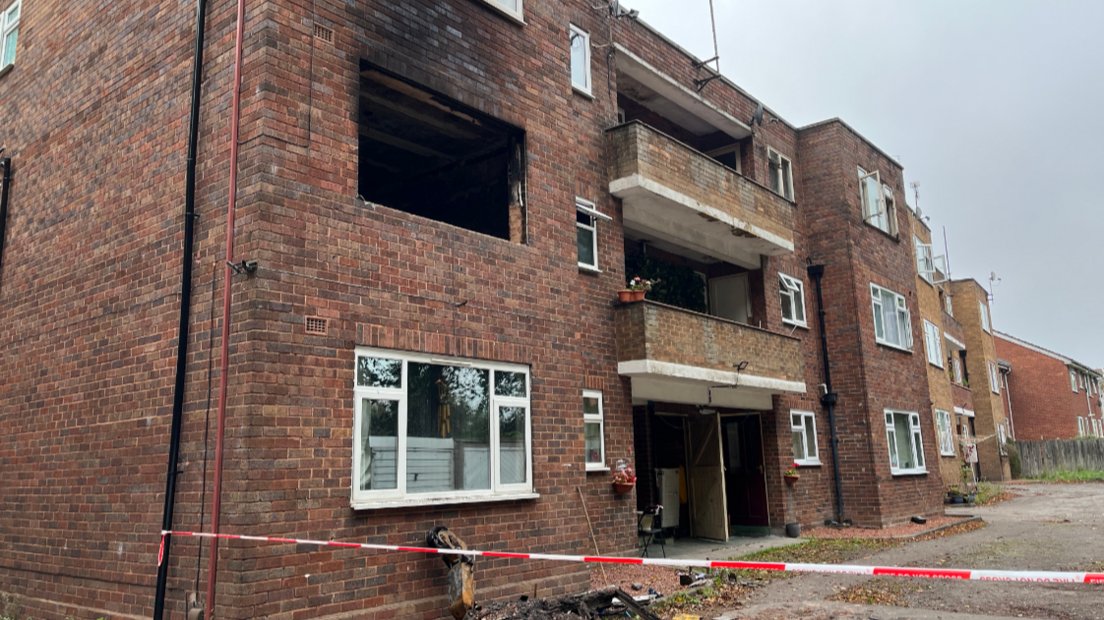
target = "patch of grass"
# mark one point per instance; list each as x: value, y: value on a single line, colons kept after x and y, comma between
x: 1072, y: 475
x: 988, y: 491
x: 814, y: 551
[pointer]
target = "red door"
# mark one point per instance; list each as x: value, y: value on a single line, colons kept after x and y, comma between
x: 744, y: 476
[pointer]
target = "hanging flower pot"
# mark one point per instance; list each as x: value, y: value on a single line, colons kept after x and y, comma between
x: 791, y: 475
x: 624, y: 479
x: 621, y: 489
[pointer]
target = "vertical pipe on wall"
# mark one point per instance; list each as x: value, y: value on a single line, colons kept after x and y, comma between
x: 235, y: 119
x: 6, y: 163
x: 185, y: 314
x: 816, y: 272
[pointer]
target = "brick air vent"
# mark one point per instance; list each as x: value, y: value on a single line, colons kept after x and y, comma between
x: 316, y: 325
x: 323, y: 33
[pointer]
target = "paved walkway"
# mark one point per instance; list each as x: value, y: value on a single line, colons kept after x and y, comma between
x: 1050, y: 527
x: 696, y: 548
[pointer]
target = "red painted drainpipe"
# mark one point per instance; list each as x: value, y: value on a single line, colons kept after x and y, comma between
x: 212, y: 567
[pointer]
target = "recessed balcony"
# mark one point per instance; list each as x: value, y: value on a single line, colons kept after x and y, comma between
x: 676, y: 194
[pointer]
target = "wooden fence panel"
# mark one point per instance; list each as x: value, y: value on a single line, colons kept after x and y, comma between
x: 1041, y: 457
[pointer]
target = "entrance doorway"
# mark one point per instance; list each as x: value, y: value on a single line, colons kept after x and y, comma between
x: 745, y: 484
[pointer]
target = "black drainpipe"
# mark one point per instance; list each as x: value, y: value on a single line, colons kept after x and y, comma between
x: 6, y: 163
x: 816, y: 272
x: 185, y: 315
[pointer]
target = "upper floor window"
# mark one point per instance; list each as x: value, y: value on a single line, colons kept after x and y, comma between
x: 580, y: 59
x: 946, y: 432
x: 877, y: 202
x: 956, y: 365
x: 594, y: 432
x: 932, y: 344
x: 892, y: 321
x: 9, y: 27
x: 803, y: 428
x: 984, y: 311
x: 428, y: 429
x: 906, y: 446
x: 586, y: 227
x: 1073, y: 381
x: 994, y: 378
x: 781, y: 174
x: 947, y: 302
x: 925, y: 266
x: 792, y: 293
x: 512, y: 8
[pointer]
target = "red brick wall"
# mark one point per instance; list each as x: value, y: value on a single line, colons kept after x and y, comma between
x: 1043, y: 404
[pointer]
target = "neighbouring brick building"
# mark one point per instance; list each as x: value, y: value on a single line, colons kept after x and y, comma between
x: 1050, y: 396
x: 420, y: 344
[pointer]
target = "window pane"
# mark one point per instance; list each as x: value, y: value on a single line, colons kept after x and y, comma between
x: 787, y: 175
x: 889, y: 320
x: 13, y: 14
x: 509, y: 383
x: 378, y: 372
x: 590, y: 405
x: 879, y: 328
x: 799, y: 305
x: 918, y: 445
x: 775, y: 175
x: 892, y: 448
x: 799, y: 445
x: 9, y: 47
x: 904, y: 441
x: 512, y: 458
x: 579, y: 68
x: 510, y: 4
x: 810, y: 438
x: 787, y: 305
x: 593, y: 438
x: 379, y: 426
x: 447, y: 428
x: 586, y: 246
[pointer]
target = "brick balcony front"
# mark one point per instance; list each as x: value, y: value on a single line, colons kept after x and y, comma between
x: 672, y: 192
x: 675, y: 355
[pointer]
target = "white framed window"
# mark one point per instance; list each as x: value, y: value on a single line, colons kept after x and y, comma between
x: 1080, y: 425
x: 586, y: 228
x: 1080, y: 380
x: 933, y: 344
x: 994, y: 378
x: 925, y: 266
x: 805, y: 448
x: 950, y: 307
x: 877, y: 202
x: 436, y: 430
x: 984, y: 311
x: 1073, y: 381
x: 781, y: 174
x: 580, y: 59
x: 510, y: 8
x: 792, y: 293
x: 945, y: 427
x: 892, y: 321
x: 956, y: 364
x: 9, y: 33
x: 906, y: 445
x: 594, y: 430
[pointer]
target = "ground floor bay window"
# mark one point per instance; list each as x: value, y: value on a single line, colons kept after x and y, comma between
x: 428, y: 430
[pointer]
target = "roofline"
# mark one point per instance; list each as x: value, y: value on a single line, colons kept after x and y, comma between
x: 1068, y: 361
x: 696, y: 60
x: 836, y: 119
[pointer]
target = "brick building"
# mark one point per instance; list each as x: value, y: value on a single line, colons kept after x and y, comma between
x: 415, y: 341
x: 1050, y: 396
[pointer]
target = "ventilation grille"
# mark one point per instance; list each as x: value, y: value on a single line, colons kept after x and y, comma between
x: 324, y: 33
x: 316, y: 325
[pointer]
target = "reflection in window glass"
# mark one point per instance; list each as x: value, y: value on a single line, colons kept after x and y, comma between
x: 377, y: 372
x: 511, y: 445
x: 509, y: 384
x: 379, y: 434
x: 447, y: 428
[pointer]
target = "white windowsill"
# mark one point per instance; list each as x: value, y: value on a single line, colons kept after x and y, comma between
x: 582, y: 91
x: 6, y: 69
x: 940, y: 366
x: 892, y: 346
x: 592, y: 468
x: 809, y: 463
x: 441, y: 501
x: 911, y: 472
x: 795, y: 324
x: 947, y: 454
x: 589, y: 269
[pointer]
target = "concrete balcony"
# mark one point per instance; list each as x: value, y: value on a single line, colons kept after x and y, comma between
x: 681, y: 196
x: 679, y: 356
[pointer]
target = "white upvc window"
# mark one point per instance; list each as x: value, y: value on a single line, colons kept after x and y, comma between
x: 594, y: 430
x: 781, y: 174
x: 434, y: 430
x: 511, y: 8
x: 877, y: 202
x: 945, y: 427
x: 9, y: 33
x: 933, y: 344
x: 792, y: 293
x: 805, y: 448
x: 580, y: 59
x: 950, y: 306
x: 1080, y: 425
x: 892, y: 321
x: 956, y: 364
x: 906, y: 445
x: 984, y: 311
x: 994, y: 377
x: 1073, y: 381
x: 925, y: 266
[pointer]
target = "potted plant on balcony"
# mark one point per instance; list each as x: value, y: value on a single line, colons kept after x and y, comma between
x: 623, y: 480
x: 791, y: 474
x: 636, y: 290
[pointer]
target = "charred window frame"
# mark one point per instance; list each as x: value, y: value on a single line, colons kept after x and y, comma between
x: 429, y: 155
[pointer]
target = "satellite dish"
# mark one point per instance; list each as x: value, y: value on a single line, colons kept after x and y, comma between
x: 758, y: 116
x: 919, y: 214
x: 992, y: 275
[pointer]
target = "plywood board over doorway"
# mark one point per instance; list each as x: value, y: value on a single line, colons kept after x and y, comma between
x: 708, y: 504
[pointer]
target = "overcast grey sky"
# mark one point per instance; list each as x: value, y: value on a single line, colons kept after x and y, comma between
x: 995, y: 107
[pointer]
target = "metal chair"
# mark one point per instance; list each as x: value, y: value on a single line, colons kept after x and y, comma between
x: 650, y: 528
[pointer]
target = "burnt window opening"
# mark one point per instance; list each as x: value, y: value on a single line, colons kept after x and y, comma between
x: 427, y: 154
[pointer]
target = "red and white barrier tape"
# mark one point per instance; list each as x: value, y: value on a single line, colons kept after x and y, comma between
x: 935, y: 573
